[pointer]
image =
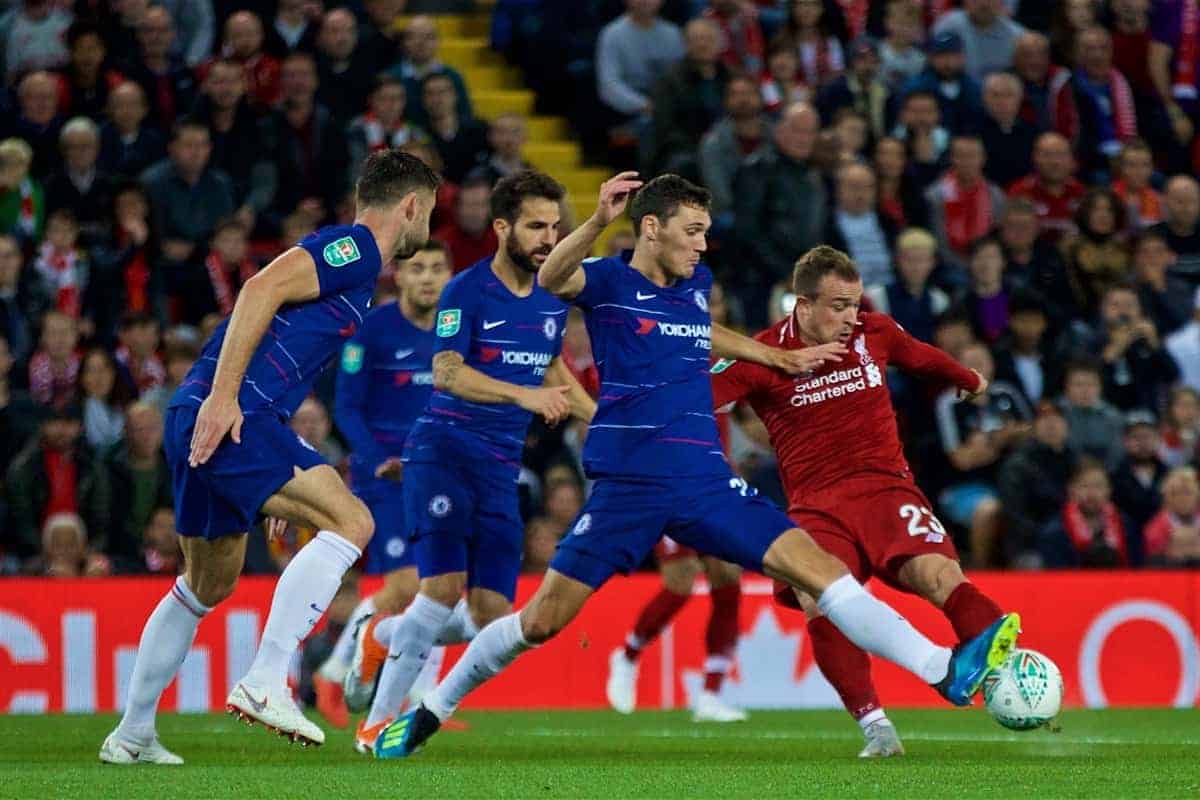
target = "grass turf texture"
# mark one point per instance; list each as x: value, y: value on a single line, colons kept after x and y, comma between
x: 1120, y: 754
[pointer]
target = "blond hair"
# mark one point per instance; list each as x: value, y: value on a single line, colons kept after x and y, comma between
x: 916, y: 237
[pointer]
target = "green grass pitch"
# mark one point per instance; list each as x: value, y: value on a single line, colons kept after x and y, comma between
x: 951, y: 754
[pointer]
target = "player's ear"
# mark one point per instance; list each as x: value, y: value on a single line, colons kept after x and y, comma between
x: 650, y: 227
x: 500, y: 226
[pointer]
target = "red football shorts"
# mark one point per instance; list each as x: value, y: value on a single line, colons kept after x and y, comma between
x: 874, y: 525
x: 668, y: 549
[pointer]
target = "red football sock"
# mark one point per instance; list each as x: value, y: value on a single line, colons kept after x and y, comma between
x: 721, y: 638
x: 845, y: 666
x: 654, y: 617
x: 970, y: 611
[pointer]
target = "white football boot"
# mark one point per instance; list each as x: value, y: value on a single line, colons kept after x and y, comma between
x: 882, y: 741
x: 119, y: 750
x: 275, y: 710
x: 621, y: 687
x: 711, y: 708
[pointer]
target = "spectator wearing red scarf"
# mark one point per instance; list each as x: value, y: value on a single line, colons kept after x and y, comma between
x: 963, y: 205
x: 1090, y: 531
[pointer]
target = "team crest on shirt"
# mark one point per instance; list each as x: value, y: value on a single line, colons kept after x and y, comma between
x: 342, y: 252
x: 352, y: 358
x: 395, y: 547
x: 440, y: 506
x: 701, y: 301
x: 550, y: 328
x: 583, y: 525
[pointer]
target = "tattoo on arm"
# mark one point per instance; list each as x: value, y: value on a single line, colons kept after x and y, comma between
x: 446, y: 365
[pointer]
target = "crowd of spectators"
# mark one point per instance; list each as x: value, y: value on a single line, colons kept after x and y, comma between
x: 1013, y: 178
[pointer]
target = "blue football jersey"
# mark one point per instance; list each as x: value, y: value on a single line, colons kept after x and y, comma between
x: 506, y: 337
x: 652, y: 346
x: 384, y: 383
x: 302, y: 338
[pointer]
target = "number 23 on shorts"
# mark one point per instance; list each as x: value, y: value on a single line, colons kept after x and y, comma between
x: 922, y: 522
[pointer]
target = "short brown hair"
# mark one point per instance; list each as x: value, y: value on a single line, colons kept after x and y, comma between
x: 816, y: 264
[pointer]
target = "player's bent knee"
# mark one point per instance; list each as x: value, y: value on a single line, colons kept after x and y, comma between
x: 357, y: 526
x: 679, y: 574
x: 539, y: 625
x: 933, y: 576
x: 211, y: 589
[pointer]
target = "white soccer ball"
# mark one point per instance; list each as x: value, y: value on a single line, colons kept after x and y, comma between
x: 1024, y: 692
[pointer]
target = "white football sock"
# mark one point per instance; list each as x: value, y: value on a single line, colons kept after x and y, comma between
x: 460, y: 627
x: 384, y: 629
x: 493, y: 649
x: 164, y: 644
x: 302, y: 595
x: 412, y: 640
x: 343, y: 648
x: 876, y: 627
x: 428, y: 677
x: 871, y: 717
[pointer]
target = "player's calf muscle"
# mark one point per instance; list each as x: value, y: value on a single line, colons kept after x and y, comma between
x: 796, y: 559
x: 932, y: 576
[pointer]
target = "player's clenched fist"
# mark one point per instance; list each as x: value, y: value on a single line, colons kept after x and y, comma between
x: 963, y: 394
x: 549, y: 401
x: 217, y: 417
x: 795, y: 362
x: 614, y: 196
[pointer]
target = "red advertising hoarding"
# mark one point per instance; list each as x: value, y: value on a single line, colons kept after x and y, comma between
x: 1120, y: 639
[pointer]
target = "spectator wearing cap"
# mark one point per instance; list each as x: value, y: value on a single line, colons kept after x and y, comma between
x: 1166, y: 299
x: 22, y: 201
x: 945, y: 77
x: 1023, y: 356
x: 234, y: 131
x: 168, y: 83
x: 687, y: 101
x: 1184, y: 347
x: 1137, y: 477
x: 307, y: 143
x: 33, y: 37
x: 460, y: 141
x: 780, y: 206
x: 37, y: 121
x: 344, y: 73
x: 1095, y: 109
x: 383, y: 124
x: 859, y: 88
x: 1095, y: 425
x: 1172, y: 537
x: 855, y: 225
x: 1181, y: 225
x: 187, y: 194
x: 421, y: 61
x: 80, y: 185
x: 1032, y: 484
x: 988, y: 34
x: 56, y: 473
x: 963, y: 204
x: 128, y: 143
x: 1052, y: 186
x: 1006, y: 137
x: 740, y: 134
x: 469, y: 234
x: 741, y: 35
x: 909, y: 298
x: 1090, y: 531
x: 1039, y: 77
x: 900, y: 55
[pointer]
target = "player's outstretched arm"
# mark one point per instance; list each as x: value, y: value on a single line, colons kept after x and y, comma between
x: 912, y: 355
x: 453, y: 376
x: 582, y: 405
x: 290, y: 278
x: 731, y: 345
x: 560, y: 275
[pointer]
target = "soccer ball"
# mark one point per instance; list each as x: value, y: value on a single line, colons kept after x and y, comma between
x: 1024, y: 692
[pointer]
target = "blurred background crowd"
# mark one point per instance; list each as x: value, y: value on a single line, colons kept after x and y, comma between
x: 1013, y: 178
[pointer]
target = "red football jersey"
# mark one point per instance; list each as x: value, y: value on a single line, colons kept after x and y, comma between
x: 837, y: 421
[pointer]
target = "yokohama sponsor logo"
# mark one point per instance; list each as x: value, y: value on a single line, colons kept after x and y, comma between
x: 526, y: 358
x: 685, y: 330
x: 834, y: 384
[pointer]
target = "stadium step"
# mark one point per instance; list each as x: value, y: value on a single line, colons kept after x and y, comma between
x: 490, y: 103
x: 465, y: 52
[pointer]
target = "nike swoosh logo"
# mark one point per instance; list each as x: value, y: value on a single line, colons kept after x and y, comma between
x: 487, y: 326
x: 258, y: 705
x: 134, y: 754
x: 641, y: 296
x: 403, y: 354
